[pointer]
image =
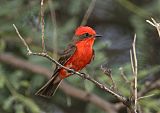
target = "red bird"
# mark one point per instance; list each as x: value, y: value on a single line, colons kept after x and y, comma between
x: 76, y: 57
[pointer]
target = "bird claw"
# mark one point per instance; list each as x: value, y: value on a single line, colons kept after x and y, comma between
x: 71, y: 71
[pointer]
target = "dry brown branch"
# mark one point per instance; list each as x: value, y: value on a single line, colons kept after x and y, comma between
x: 147, y: 96
x: 29, y: 52
x: 155, y: 24
x: 108, y: 72
x: 131, y: 57
x: 134, y: 69
x: 34, y: 44
x: 123, y: 75
x: 128, y: 82
x: 23, y: 41
x: 74, y: 92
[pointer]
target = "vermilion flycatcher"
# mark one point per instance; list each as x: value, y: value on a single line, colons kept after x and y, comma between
x: 76, y: 57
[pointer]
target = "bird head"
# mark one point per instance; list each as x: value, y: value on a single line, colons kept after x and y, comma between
x: 86, y: 32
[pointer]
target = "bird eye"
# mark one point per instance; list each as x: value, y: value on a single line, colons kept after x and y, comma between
x: 87, y: 35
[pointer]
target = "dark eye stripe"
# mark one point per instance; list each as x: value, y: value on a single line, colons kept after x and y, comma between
x: 85, y: 35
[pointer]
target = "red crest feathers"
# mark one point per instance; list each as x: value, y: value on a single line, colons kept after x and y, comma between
x: 84, y: 29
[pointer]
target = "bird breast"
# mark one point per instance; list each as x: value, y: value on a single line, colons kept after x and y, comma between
x: 81, y: 57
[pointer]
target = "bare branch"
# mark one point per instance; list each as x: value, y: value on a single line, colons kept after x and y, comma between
x: 42, y: 26
x: 134, y: 54
x: 155, y: 24
x: 151, y: 23
x: 135, y: 74
x: 38, y: 54
x: 108, y: 72
x: 123, y: 75
x: 147, y: 96
x: 23, y: 41
x: 134, y: 69
x: 131, y: 58
x: 73, y: 92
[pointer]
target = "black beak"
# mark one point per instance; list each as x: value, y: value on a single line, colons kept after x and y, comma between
x: 97, y: 36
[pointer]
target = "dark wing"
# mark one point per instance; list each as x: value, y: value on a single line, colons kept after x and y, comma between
x: 65, y: 56
x: 51, y: 86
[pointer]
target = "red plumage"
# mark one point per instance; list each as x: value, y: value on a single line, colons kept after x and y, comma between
x: 80, y: 58
x: 75, y: 57
x: 84, y: 29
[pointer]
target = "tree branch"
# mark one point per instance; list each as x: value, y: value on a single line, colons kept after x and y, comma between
x: 108, y: 72
x: 42, y: 26
x: 155, y: 24
x: 74, y: 92
x: 134, y: 69
x: 83, y: 75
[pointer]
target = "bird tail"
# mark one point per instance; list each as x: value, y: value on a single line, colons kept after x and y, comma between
x: 50, y: 87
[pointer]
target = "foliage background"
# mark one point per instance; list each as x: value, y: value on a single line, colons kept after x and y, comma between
x: 116, y: 20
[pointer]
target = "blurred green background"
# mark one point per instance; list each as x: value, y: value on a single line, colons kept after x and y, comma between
x: 116, y: 20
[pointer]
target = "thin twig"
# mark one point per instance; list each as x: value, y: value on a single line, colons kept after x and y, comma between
x: 135, y: 74
x: 147, y: 96
x: 150, y: 23
x: 108, y: 72
x: 42, y: 26
x: 132, y: 66
x: 134, y: 69
x: 123, y: 75
x: 131, y: 58
x: 100, y: 85
x: 155, y: 24
x: 23, y: 41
